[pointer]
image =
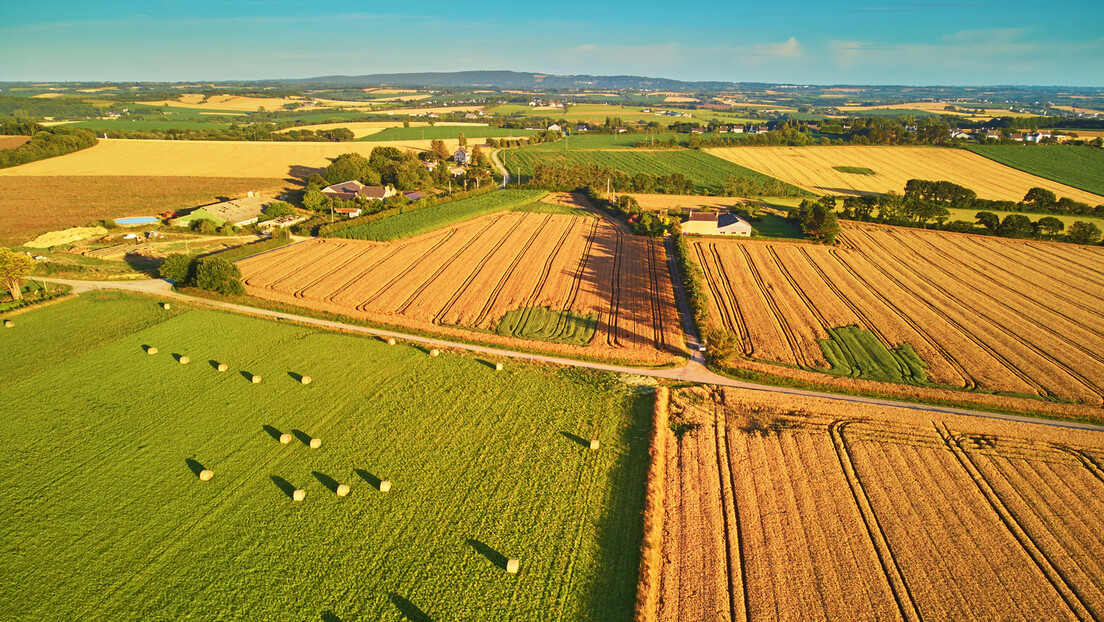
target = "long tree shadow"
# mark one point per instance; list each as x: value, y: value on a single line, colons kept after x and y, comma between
x: 284, y: 485
x: 493, y: 556
x: 409, y: 610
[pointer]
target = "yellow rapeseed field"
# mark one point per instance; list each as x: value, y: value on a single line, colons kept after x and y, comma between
x: 812, y: 168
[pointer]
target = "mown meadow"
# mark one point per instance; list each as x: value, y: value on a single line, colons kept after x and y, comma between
x: 106, y: 519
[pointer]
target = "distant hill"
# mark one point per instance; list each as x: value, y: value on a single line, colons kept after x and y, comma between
x: 511, y: 80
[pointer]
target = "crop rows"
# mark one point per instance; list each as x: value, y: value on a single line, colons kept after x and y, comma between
x: 982, y: 313
x: 474, y: 274
x: 845, y: 512
x: 1074, y: 166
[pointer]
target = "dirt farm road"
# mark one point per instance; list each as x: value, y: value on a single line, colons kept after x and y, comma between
x: 693, y: 371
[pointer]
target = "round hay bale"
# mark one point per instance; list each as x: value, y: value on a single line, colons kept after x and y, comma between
x: 298, y: 495
x: 512, y: 566
x: 385, y: 485
x: 434, y: 352
x: 205, y: 475
x: 166, y: 305
x: 256, y: 379
x: 9, y: 324
x: 151, y: 350
x: 498, y: 366
x: 315, y: 443
x: 342, y: 490
x: 223, y: 367
x: 185, y: 360
x: 391, y: 341
x: 594, y: 444
x: 285, y: 438
x: 305, y: 379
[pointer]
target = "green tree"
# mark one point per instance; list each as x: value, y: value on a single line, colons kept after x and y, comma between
x: 1082, y: 232
x: 219, y: 275
x: 1050, y: 225
x: 463, y: 140
x: 278, y: 209
x: 14, y: 267
x: 819, y: 220
x: 1040, y: 199
x: 437, y: 146
x: 989, y: 220
x: 178, y: 268
x: 1015, y: 226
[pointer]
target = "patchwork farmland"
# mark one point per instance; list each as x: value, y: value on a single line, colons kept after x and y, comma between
x: 812, y: 168
x: 794, y: 508
x: 927, y: 308
x: 466, y: 278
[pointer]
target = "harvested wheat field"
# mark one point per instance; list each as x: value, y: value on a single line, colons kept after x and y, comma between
x: 580, y: 285
x: 203, y: 158
x: 10, y: 142
x: 681, y: 201
x: 239, y: 103
x: 360, y: 129
x: 783, y: 507
x: 811, y: 168
x: 923, y: 308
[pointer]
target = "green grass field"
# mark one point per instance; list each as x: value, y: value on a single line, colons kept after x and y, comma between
x: 444, y: 132
x: 858, y: 353
x: 104, y: 517
x: 597, y: 113
x: 1080, y: 167
x: 606, y: 141
x: 544, y: 324
x: 708, y: 172
x: 427, y: 219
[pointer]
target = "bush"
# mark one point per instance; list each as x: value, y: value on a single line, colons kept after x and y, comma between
x: 178, y: 268
x: 218, y: 275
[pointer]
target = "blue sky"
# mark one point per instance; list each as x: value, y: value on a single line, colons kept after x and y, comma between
x: 800, y: 41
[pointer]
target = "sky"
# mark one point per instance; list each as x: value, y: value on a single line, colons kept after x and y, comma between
x: 799, y: 41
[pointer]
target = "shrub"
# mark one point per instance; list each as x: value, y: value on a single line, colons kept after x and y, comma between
x: 219, y: 275
x: 178, y: 268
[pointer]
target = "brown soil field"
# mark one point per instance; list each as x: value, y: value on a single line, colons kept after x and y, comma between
x: 781, y: 507
x: 461, y: 280
x: 984, y: 314
x: 30, y: 206
x: 9, y: 142
x: 811, y: 168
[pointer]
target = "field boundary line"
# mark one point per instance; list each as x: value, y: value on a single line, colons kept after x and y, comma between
x: 651, y: 549
x: 739, y: 609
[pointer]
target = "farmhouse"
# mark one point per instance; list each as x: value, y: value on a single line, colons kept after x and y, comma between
x: 461, y: 156
x: 712, y: 223
x: 238, y: 212
x: 349, y: 190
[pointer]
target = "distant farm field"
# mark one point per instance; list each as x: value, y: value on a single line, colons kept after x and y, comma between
x: 123, y: 125
x: 982, y: 314
x: 812, y: 168
x: 449, y: 131
x: 783, y: 507
x: 464, y: 279
x: 30, y: 206
x: 9, y: 142
x: 1080, y: 167
x: 706, y: 171
x: 104, y: 517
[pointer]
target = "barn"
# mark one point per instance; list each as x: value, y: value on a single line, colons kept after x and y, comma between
x: 714, y: 223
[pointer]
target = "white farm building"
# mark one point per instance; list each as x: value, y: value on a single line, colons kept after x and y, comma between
x: 713, y: 223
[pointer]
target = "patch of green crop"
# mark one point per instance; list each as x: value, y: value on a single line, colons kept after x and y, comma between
x: 858, y: 353
x: 855, y: 170
x: 427, y: 219
x: 545, y: 324
x: 1080, y: 167
x: 104, y: 518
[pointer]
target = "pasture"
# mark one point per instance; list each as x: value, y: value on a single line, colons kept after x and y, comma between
x: 988, y: 315
x: 464, y: 279
x: 813, y: 168
x: 106, y: 519
x: 792, y: 508
x: 424, y: 220
x: 1080, y: 167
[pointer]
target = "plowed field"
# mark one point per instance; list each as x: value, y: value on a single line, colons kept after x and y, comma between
x: 471, y: 275
x: 812, y: 168
x: 985, y: 314
x: 793, y: 508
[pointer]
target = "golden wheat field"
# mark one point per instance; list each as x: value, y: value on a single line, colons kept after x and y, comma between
x: 238, y: 103
x: 783, y: 507
x: 985, y: 314
x: 811, y: 168
x: 465, y: 278
x: 360, y: 129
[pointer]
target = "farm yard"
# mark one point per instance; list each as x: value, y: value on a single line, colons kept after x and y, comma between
x: 812, y: 168
x: 1017, y: 318
x: 464, y: 279
x: 109, y: 519
x: 799, y: 508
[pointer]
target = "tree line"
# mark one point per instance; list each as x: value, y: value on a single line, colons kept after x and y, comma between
x: 47, y: 143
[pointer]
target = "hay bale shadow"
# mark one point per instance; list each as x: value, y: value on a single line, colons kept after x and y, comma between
x: 493, y: 556
x: 248, y: 375
x: 176, y: 356
x: 578, y: 439
x: 195, y: 466
x: 409, y: 610
x: 326, y: 481
x: 146, y: 348
x: 213, y: 363
x: 490, y: 364
x: 372, y: 480
x: 296, y: 377
x: 302, y: 436
x: 329, y: 616
x: 283, y: 485
x: 273, y: 432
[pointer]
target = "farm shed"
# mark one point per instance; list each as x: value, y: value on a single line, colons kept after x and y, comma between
x: 239, y: 212
x: 713, y: 223
x: 348, y: 212
x: 349, y: 190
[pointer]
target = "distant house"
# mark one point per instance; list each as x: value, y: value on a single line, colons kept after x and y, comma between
x: 622, y: 130
x: 737, y: 129
x: 461, y: 156
x: 697, y: 130
x: 349, y: 190
x: 581, y: 128
x: 712, y: 223
x: 348, y: 212
x: 555, y: 128
x: 413, y: 195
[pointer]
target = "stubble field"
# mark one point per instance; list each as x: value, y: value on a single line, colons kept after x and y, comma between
x: 464, y: 279
x: 812, y: 168
x: 794, y: 508
x: 983, y: 314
